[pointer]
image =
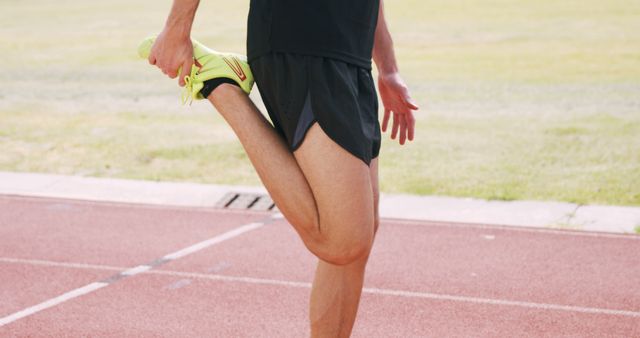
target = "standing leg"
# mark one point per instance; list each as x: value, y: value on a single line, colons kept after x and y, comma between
x: 336, y: 290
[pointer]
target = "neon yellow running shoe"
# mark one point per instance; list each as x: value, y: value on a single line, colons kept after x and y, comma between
x: 214, y: 65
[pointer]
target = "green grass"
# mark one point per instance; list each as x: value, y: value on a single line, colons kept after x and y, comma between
x: 520, y: 100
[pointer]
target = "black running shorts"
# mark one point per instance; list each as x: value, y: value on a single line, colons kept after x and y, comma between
x: 299, y: 90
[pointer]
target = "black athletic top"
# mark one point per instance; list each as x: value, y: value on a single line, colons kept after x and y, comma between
x: 341, y: 29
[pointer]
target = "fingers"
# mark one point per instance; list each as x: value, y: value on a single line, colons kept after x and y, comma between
x: 403, y: 125
x: 165, y: 67
x: 397, y: 100
x: 152, y: 55
x: 385, y: 119
x: 394, y: 129
x: 411, y: 123
x: 172, y: 73
x: 167, y: 63
x: 403, y: 129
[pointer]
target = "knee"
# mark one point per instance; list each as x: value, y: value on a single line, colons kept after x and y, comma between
x: 347, y: 255
x: 344, y: 250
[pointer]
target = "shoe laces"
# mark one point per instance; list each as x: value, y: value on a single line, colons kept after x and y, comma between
x: 187, y: 92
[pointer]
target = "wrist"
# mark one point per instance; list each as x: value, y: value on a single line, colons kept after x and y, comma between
x: 387, y: 74
x: 385, y: 67
x: 177, y: 30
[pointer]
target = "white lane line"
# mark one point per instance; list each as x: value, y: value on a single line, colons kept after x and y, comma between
x: 135, y: 270
x: 409, y: 294
x: 128, y: 272
x: 52, y: 302
x: 568, y: 232
x: 224, y: 278
x: 542, y: 306
x: 61, y: 264
x: 376, y: 291
x: 204, y: 244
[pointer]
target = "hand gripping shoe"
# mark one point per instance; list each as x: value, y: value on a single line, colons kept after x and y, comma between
x: 213, y: 65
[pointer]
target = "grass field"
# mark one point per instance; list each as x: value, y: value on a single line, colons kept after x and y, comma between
x: 521, y: 100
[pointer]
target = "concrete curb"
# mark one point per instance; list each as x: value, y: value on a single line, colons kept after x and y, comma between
x: 616, y: 219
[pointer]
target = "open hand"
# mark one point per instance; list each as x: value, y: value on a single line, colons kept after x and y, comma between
x: 396, y: 99
x: 173, y: 54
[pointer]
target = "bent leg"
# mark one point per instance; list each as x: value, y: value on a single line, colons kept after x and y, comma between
x: 336, y: 290
x: 270, y: 156
x: 318, y: 191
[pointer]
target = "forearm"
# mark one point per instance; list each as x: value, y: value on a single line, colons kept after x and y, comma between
x: 383, y: 54
x: 181, y: 17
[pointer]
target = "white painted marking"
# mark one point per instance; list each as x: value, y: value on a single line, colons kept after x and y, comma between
x: 578, y: 233
x: 215, y: 240
x: 411, y: 294
x: 386, y: 292
x: 130, y: 272
x: 542, y: 306
x: 278, y: 215
x: 61, y: 264
x: 136, y: 270
x: 489, y: 237
x: 52, y: 302
x: 249, y: 280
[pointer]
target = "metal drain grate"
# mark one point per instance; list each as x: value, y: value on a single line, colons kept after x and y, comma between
x: 238, y: 200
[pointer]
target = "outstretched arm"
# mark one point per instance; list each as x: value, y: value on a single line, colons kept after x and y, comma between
x: 393, y: 91
x: 172, y: 49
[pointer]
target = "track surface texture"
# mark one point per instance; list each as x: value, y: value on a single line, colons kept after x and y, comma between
x: 77, y: 268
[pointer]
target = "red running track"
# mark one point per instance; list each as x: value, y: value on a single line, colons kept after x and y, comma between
x: 213, y: 273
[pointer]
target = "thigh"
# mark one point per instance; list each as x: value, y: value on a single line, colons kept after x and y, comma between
x: 375, y: 187
x: 341, y: 185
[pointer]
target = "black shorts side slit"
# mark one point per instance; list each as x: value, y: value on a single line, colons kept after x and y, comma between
x: 299, y: 90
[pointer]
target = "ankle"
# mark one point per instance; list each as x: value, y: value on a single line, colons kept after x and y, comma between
x: 211, y: 86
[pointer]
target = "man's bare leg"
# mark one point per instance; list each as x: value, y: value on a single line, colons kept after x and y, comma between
x: 268, y: 152
x: 333, y: 214
x: 336, y: 290
x: 328, y: 195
